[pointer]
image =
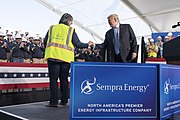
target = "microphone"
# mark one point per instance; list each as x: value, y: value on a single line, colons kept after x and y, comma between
x: 174, y: 26
x: 178, y: 24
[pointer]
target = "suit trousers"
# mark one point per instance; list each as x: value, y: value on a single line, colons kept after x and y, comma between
x: 118, y: 58
x: 58, y: 70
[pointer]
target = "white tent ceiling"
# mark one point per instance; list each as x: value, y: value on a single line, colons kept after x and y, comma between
x: 145, y: 16
x: 159, y: 14
x: 91, y: 15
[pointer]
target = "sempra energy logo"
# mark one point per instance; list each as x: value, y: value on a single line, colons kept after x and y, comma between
x: 88, y: 87
x: 166, y: 86
x: 169, y: 86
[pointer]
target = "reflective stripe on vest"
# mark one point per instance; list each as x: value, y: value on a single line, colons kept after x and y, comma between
x: 60, y: 46
x: 50, y: 30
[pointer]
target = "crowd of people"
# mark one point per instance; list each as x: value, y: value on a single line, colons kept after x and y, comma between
x: 88, y: 55
x: 25, y: 48
x: 155, y: 49
x: 20, y: 47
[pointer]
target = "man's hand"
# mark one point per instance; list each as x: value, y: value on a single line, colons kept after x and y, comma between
x: 91, y: 44
x: 134, y: 55
x: 4, y: 45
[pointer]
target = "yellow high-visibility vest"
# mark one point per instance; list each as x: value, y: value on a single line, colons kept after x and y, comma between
x: 152, y: 53
x: 59, y: 43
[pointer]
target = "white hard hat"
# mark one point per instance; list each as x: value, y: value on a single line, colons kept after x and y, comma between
x: 18, y: 36
x: 30, y: 35
x: 151, y: 40
x: 170, y: 34
x: 36, y: 38
x: 9, y: 33
x: 166, y: 37
x: 2, y: 33
x: 24, y: 40
x: 159, y: 37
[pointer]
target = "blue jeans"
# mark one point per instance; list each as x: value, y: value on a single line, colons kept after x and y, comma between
x: 18, y: 59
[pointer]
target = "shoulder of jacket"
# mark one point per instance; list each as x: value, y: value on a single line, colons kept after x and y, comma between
x: 125, y: 24
x: 109, y: 30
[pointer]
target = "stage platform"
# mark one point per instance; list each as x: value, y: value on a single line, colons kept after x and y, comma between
x: 38, y: 111
x: 34, y: 111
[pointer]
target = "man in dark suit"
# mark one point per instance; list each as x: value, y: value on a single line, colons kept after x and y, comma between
x: 120, y: 43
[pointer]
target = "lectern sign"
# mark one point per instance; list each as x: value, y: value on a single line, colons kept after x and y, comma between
x: 113, y: 91
x: 170, y: 91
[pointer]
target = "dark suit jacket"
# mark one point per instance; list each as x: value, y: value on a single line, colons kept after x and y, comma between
x: 128, y: 44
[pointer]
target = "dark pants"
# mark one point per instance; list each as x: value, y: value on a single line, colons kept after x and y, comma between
x: 118, y: 58
x: 58, y: 70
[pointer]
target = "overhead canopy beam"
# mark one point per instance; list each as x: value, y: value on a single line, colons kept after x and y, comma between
x: 162, y: 12
x: 60, y: 12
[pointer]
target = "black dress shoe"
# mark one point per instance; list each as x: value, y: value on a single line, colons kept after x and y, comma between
x: 51, y: 105
x: 63, y: 104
